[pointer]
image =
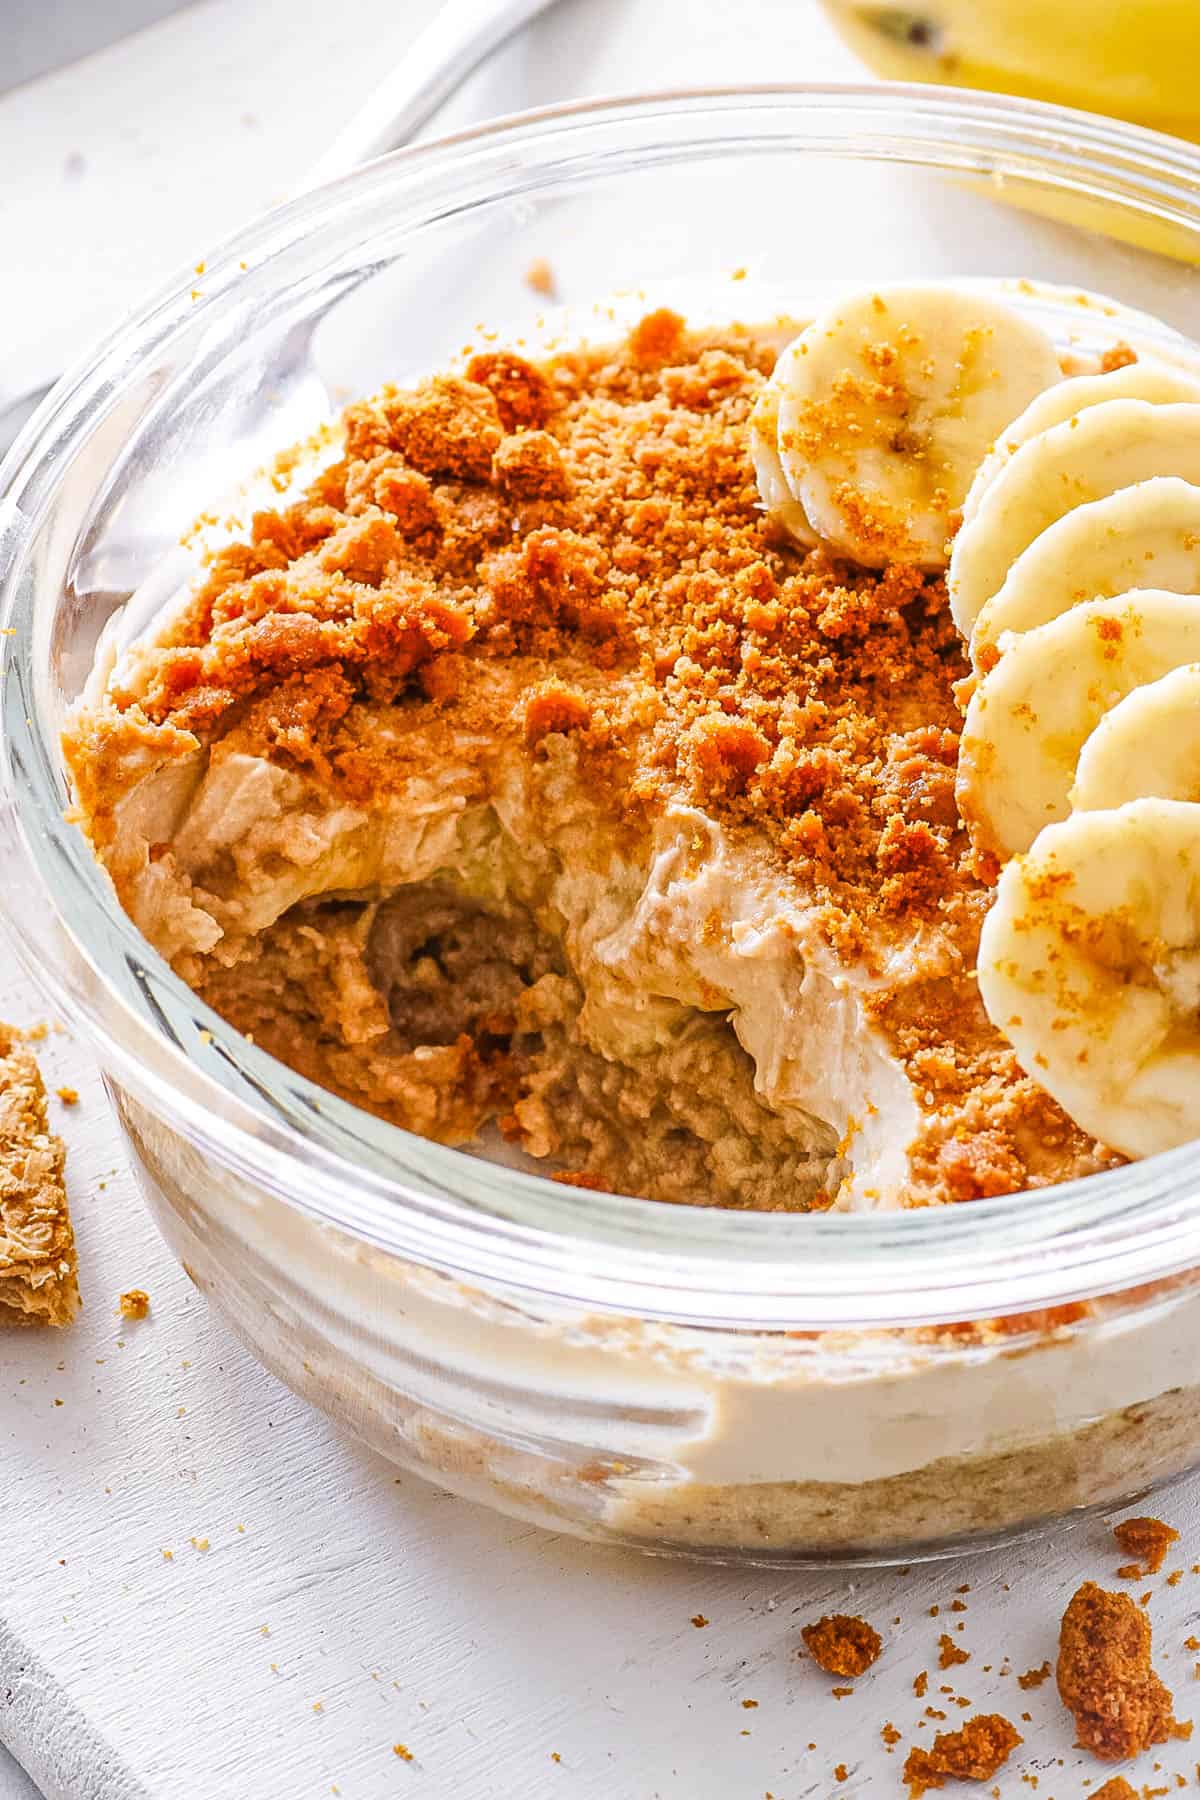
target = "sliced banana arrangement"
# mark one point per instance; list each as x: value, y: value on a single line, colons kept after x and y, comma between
x: 1089, y: 963
x: 935, y: 426
x: 1147, y: 746
x: 1029, y: 719
x: 1087, y: 457
x: 782, y: 507
x: 1139, y: 537
x: 1145, y: 379
x: 883, y: 409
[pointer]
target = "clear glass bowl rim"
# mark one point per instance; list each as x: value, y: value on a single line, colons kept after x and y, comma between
x: 695, y: 1266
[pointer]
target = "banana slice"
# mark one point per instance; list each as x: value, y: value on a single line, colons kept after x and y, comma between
x: 887, y: 404
x: 1145, y: 379
x: 1143, y: 536
x: 776, y: 496
x: 1149, y: 744
x: 1089, y: 963
x: 1030, y: 717
x: 1086, y: 458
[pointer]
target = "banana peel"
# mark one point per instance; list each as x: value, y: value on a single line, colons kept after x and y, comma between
x: 1128, y: 59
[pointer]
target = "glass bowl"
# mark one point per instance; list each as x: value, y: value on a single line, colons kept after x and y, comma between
x: 760, y: 1387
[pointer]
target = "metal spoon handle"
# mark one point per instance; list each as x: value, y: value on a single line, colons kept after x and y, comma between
x: 454, y: 43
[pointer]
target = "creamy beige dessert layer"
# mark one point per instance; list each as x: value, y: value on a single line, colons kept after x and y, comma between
x: 527, y: 773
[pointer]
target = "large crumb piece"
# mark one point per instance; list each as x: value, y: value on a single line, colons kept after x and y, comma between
x: 1106, y: 1679
x: 841, y: 1644
x: 135, y: 1304
x: 973, y: 1753
x: 1147, y: 1540
x: 1116, y: 1789
x: 37, y: 1246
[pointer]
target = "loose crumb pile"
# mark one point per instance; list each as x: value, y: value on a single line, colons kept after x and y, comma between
x: 1106, y: 1678
x: 842, y: 1645
x: 1146, y: 1539
x: 973, y: 1753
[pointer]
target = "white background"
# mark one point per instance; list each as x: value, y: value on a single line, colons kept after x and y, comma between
x: 404, y: 1615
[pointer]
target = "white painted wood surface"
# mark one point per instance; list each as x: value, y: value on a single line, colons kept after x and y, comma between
x: 338, y: 1611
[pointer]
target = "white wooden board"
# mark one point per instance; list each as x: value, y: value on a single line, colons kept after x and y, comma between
x: 338, y: 1610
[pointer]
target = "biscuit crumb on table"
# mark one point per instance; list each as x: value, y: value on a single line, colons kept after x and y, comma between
x: 1147, y: 1540
x: 135, y: 1304
x: 842, y: 1645
x: 973, y: 1753
x: 1106, y: 1678
x: 37, y: 1245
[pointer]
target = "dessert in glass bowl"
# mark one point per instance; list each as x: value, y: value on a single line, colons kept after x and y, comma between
x: 731, y: 760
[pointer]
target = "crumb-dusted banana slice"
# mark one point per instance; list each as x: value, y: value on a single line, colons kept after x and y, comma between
x: 1143, y: 536
x: 1146, y: 379
x: 1148, y: 745
x: 1030, y: 717
x: 1089, y: 963
x: 1090, y: 455
x: 888, y: 402
x: 782, y: 506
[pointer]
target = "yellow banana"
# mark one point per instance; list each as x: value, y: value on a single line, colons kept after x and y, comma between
x: 1132, y: 59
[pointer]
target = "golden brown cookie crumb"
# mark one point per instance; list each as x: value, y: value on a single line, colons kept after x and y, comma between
x: 842, y: 1644
x: 1146, y: 1539
x: 135, y: 1304
x: 406, y: 1755
x: 1033, y: 1678
x: 973, y: 1753
x: 68, y: 1095
x: 1116, y: 1788
x: 37, y: 1245
x: 950, y: 1653
x: 699, y: 1621
x: 1106, y: 1679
